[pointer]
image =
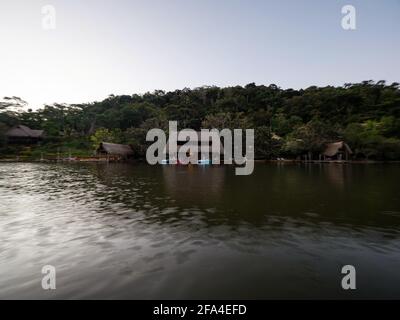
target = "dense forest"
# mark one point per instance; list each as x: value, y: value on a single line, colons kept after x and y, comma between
x: 287, y: 122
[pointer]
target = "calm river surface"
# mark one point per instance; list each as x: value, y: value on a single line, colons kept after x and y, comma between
x: 139, y: 231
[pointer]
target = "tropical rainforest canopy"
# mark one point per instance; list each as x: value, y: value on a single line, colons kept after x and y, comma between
x: 287, y: 122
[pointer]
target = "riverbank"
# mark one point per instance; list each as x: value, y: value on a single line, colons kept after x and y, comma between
x: 102, y: 159
x: 69, y: 160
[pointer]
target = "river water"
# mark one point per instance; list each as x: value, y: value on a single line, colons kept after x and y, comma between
x: 165, y: 232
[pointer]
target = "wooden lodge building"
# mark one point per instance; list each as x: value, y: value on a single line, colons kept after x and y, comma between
x: 216, y: 149
x: 115, y: 151
x: 334, y: 151
x: 24, y: 135
x: 339, y: 150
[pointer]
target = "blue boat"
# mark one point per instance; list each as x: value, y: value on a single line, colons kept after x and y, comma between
x: 204, y: 161
x: 200, y: 162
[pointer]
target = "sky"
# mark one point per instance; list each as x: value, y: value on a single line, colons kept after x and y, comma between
x: 100, y: 47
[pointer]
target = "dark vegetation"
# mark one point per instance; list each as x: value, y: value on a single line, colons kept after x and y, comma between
x: 287, y: 123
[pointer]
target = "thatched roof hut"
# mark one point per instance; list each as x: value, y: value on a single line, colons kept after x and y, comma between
x: 337, y: 149
x: 24, y: 133
x: 215, y: 147
x: 115, y: 149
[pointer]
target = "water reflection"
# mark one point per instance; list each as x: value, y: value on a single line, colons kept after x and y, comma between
x: 196, y: 184
x: 137, y: 231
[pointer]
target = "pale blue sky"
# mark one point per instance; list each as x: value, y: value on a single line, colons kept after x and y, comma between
x: 123, y: 47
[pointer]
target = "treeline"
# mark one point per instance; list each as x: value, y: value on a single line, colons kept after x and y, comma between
x: 287, y: 122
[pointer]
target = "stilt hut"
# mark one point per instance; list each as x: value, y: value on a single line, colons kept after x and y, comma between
x: 339, y: 150
x: 115, y: 151
x: 216, y: 149
x: 24, y: 134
